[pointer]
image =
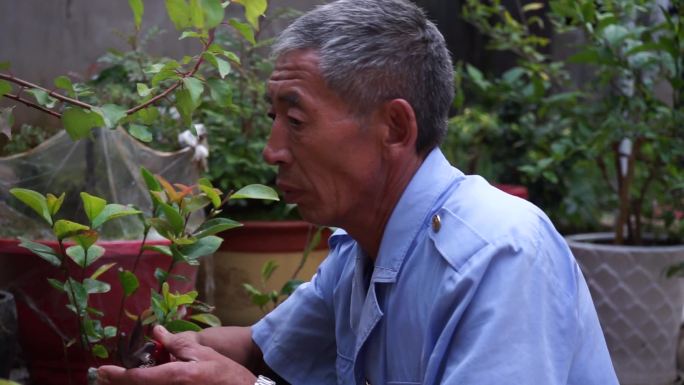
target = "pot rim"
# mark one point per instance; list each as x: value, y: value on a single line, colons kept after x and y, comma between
x: 585, y: 240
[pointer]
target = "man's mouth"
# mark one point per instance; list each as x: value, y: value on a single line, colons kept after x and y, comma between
x: 290, y: 192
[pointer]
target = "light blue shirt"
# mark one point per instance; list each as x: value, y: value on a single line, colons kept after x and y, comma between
x: 470, y: 286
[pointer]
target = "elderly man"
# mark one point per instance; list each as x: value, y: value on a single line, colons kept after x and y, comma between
x: 436, y: 277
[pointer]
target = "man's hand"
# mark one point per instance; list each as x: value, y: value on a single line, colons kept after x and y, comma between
x: 195, y: 364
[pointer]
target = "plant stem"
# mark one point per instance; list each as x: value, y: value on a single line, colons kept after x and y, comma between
x: 123, y: 296
x: 33, y: 105
x: 67, y: 279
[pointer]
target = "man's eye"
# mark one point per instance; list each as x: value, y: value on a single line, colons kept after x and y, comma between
x: 271, y: 115
x: 294, y: 122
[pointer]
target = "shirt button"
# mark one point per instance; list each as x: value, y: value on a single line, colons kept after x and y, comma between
x: 436, y: 223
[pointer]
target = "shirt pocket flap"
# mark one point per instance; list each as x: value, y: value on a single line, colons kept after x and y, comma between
x: 454, y: 239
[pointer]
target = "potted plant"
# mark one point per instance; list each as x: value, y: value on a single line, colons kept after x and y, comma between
x: 620, y: 130
x: 499, y: 114
x: 630, y: 128
x: 96, y: 332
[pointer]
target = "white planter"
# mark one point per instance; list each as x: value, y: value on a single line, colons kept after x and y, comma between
x: 639, y: 308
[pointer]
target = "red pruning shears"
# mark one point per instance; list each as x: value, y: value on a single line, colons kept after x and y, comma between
x: 141, y: 352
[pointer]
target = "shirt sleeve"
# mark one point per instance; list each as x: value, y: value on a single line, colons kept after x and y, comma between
x: 297, y: 338
x: 518, y: 312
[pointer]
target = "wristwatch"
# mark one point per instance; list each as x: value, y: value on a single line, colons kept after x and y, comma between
x: 263, y: 380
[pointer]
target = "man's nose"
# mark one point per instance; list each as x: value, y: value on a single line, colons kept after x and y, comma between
x: 276, y: 152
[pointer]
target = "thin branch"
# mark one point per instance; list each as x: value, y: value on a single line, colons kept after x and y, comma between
x: 51, y: 93
x: 33, y: 105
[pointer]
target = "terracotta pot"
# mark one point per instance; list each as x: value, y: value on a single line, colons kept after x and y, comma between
x: 44, y: 320
x: 640, y: 310
x: 514, y: 189
x: 243, y: 253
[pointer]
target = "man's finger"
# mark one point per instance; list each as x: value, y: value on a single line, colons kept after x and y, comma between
x: 156, y: 375
x: 183, y: 346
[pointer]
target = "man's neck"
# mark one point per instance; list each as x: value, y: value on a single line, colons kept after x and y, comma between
x: 368, y: 226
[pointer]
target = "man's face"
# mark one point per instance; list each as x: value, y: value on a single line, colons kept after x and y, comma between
x: 329, y: 160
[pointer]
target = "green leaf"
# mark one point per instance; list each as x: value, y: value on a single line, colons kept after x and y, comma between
x: 54, y: 203
x: 179, y: 325
x: 211, y: 193
x: 92, y: 205
x: 59, y: 285
x: 258, y: 298
x: 532, y: 7
x: 615, y: 34
x: 256, y: 191
x: 268, y: 269
x: 34, y: 200
x: 244, y: 29
x: 94, y: 286
x: 290, y: 286
x: 96, y: 312
x: 43, y: 98
x: 77, y: 254
x: 113, y: 211
x: 78, y: 296
x: 215, y: 226
x: 5, y: 88
x: 195, y: 203
x: 4, y: 65
x: 207, y: 319
x: 231, y: 56
x: 160, y: 275
x: 223, y: 67
x: 195, y: 86
x: 86, y: 238
x: 213, y: 13
x: 179, y: 13
x: 196, y: 14
x: 150, y: 181
x: 100, y: 351
x: 185, y: 105
x: 163, y: 227
x: 148, y: 116
x: 94, y: 253
x: 220, y: 92
x: 64, y: 83
x: 173, y: 217
x: 158, y: 249
x: 129, y: 282
x: 253, y: 10
x: 193, y: 34
x: 111, y: 114
x: 65, y: 229
x: 101, y: 270
x: 143, y: 89
x: 78, y: 122
x: 203, y: 247
x: 138, y: 9
x: 109, y: 331
x: 41, y: 250
x: 140, y: 132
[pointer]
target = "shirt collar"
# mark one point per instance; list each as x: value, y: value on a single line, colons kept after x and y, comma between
x: 412, y: 212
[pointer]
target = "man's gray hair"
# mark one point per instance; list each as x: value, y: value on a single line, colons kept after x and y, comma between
x: 372, y: 51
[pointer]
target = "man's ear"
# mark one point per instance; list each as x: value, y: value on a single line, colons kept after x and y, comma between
x: 402, y: 128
